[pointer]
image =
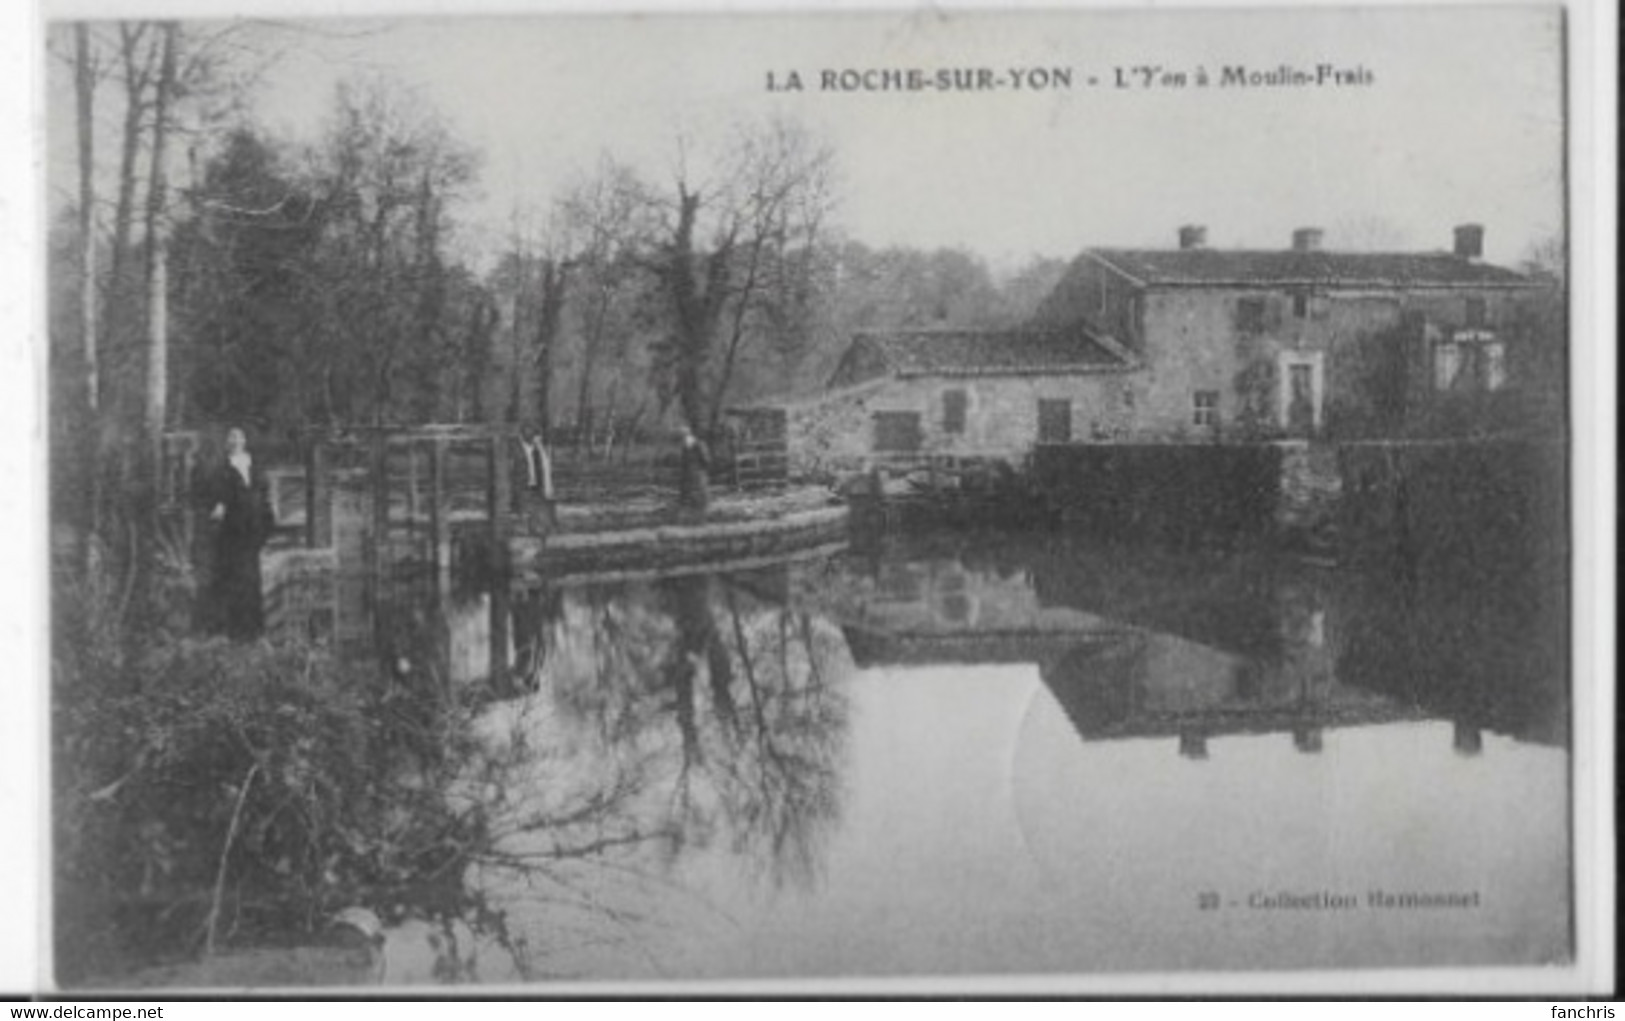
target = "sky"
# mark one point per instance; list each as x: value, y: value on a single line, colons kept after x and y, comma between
x: 1460, y: 119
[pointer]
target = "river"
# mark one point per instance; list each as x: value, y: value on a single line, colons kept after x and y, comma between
x: 996, y: 754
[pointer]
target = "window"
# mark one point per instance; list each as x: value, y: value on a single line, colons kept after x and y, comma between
x: 1462, y: 365
x: 1301, y: 376
x: 1054, y: 421
x: 953, y: 598
x: 1205, y: 408
x: 1300, y: 304
x: 897, y: 432
x: 1128, y: 397
x: 1477, y: 314
x: 1250, y: 315
x: 954, y: 404
x: 1492, y: 366
x: 1446, y: 365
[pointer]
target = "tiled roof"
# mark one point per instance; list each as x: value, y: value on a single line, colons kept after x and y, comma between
x: 1209, y: 267
x: 982, y: 352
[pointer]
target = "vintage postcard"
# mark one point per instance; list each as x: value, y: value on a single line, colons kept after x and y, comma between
x: 1074, y: 500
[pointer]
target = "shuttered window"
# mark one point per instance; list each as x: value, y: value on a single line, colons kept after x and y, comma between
x: 954, y: 405
x: 1250, y: 315
x: 897, y: 432
x: 1054, y: 421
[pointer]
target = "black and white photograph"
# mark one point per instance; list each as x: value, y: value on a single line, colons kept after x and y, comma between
x: 932, y: 499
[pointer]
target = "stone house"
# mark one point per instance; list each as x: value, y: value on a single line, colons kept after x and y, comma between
x: 1198, y: 345
x: 1301, y: 341
x: 899, y: 396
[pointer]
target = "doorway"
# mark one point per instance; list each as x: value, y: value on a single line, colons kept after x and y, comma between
x: 1302, y: 390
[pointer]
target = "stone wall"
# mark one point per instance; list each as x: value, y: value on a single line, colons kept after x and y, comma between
x: 1367, y: 347
x: 835, y: 433
x: 1370, y: 352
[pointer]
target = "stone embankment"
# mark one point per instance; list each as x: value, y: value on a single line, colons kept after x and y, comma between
x: 653, y: 535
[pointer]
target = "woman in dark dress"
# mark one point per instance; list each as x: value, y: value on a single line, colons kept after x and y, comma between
x: 694, y: 466
x: 237, y: 503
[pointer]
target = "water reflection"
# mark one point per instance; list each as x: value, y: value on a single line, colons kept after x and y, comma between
x: 1008, y: 753
x: 668, y: 721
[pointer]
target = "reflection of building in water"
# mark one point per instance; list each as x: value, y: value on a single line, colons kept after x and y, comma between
x: 1492, y: 657
x: 1159, y: 685
x: 938, y: 610
x: 943, y: 599
x: 1345, y: 645
x: 1137, y: 643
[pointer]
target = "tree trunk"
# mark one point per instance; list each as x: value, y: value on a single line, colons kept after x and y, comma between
x: 737, y: 335
x: 137, y: 73
x: 589, y: 359
x: 515, y: 343
x: 119, y: 391
x: 555, y: 274
x: 697, y: 305
x: 84, y: 80
x: 477, y: 356
x: 157, y: 388
x: 431, y: 286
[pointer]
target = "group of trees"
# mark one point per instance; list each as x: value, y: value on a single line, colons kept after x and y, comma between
x: 642, y: 300
x: 206, y: 271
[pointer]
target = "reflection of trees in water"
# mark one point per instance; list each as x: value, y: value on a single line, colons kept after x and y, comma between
x: 775, y: 773
x: 668, y: 719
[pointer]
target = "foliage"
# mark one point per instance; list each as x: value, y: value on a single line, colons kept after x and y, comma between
x: 1255, y: 387
x: 243, y: 260
x: 210, y: 792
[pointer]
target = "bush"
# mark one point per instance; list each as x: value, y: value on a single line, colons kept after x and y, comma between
x: 209, y: 791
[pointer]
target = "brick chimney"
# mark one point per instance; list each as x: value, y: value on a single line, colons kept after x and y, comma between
x: 1307, y: 239
x: 1470, y: 242
x: 1192, y: 236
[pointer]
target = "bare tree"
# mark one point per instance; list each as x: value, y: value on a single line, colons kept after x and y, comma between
x: 138, y: 59
x: 552, y: 283
x: 536, y: 269
x: 388, y: 171
x: 784, y: 197
x: 720, y: 246
x: 84, y: 80
x: 604, y: 213
x: 155, y: 404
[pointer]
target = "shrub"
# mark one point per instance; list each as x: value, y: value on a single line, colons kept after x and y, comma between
x: 209, y: 791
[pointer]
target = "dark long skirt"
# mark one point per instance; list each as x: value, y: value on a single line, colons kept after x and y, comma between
x: 232, y: 600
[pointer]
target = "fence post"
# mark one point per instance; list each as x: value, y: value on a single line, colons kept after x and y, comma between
x: 378, y: 469
x: 498, y: 498
x: 439, y: 532
x: 499, y: 486
x: 318, y: 496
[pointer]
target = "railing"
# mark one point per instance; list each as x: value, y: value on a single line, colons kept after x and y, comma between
x: 756, y: 465
x: 939, y: 469
x: 431, y: 474
x: 301, y: 593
